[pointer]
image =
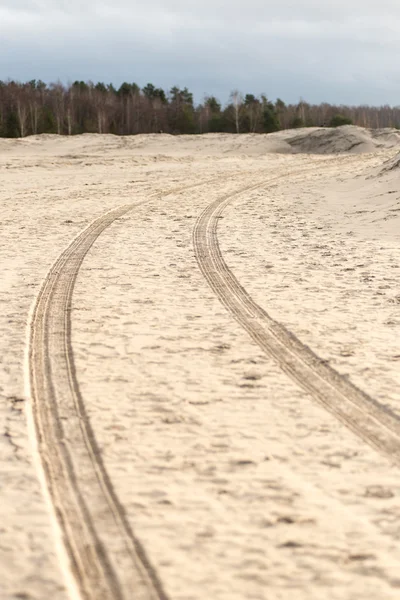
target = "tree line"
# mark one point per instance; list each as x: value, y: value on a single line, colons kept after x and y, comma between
x: 84, y: 107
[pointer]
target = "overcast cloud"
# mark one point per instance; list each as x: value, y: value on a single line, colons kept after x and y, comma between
x: 345, y: 52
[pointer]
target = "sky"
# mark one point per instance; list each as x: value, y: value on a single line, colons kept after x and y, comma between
x: 344, y: 52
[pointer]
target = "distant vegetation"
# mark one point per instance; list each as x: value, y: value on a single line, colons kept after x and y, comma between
x: 35, y: 107
x: 339, y: 120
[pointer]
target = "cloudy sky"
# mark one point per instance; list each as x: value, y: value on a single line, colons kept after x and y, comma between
x: 346, y: 51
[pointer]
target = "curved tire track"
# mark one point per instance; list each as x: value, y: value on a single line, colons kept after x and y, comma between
x: 107, y: 561
x: 373, y: 422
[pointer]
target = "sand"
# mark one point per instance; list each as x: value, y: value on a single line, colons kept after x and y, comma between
x: 215, y: 468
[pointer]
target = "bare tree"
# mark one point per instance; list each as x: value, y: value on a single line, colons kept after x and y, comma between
x: 58, y: 101
x: 253, y: 111
x: 19, y: 95
x: 237, y: 102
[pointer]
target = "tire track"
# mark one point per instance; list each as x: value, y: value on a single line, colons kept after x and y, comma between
x: 370, y: 420
x: 106, y: 559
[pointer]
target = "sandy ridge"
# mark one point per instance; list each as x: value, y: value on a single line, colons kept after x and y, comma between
x: 374, y: 423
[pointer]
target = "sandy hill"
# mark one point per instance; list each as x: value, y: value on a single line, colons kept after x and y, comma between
x: 346, y: 139
x: 311, y: 140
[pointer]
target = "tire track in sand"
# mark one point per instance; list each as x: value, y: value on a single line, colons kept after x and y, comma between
x: 370, y: 420
x: 106, y: 559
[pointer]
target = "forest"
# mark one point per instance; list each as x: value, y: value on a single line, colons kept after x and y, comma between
x: 35, y: 107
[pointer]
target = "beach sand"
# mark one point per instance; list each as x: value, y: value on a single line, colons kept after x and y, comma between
x: 195, y: 443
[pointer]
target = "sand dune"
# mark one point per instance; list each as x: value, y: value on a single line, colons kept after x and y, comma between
x: 390, y: 165
x: 187, y: 453
x: 346, y: 139
x: 308, y: 140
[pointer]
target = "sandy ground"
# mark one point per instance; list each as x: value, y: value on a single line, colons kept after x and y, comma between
x: 234, y: 479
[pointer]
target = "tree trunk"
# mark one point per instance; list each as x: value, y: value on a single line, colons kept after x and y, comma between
x: 21, y: 111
